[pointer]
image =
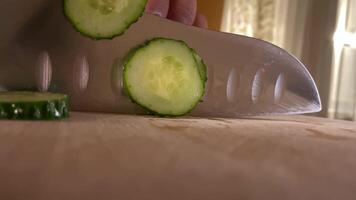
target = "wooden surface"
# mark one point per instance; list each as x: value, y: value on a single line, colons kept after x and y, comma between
x: 94, y: 156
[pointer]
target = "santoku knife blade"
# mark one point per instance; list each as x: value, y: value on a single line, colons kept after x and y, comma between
x: 247, y: 76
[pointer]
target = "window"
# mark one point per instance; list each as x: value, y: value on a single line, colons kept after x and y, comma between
x: 322, y: 34
x: 343, y: 88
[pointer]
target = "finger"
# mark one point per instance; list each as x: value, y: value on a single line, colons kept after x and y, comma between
x: 158, y: 7
x: 183, y: 11
x: 201, y: 21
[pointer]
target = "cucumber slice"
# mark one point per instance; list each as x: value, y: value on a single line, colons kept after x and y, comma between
x: 165, y: 76
x: 33, y: 105
x: 103, y: 19
x: 201, y: 66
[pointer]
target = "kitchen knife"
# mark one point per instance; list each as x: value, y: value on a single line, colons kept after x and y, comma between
x: 247, y: 76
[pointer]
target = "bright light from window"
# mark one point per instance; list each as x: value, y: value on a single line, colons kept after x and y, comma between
x: 345, y: 39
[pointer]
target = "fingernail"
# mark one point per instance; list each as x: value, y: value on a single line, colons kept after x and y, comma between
x: 157, y: 13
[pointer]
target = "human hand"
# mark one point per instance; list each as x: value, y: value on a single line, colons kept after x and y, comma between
x: 184, y: 11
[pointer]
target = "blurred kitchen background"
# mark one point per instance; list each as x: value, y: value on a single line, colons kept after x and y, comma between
x: 321, y: 33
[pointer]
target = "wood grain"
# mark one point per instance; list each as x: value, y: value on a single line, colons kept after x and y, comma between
x: 97, y: 156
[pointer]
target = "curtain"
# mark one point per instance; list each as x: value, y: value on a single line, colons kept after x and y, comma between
x: 254, y: 18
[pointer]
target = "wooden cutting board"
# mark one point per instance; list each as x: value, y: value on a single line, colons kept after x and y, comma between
x: 107, y: 157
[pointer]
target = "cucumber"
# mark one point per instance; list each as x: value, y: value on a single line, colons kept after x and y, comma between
x: 201, y: 66
x: 103, y: 19
x: 33, y: 106
x: 165, y: 77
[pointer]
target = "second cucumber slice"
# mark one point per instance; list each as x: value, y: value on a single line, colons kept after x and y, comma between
x: 33, y: 106
x: 103, y: 19
x: 165, y: 76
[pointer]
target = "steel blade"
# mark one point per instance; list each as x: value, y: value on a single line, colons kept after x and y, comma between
x: 246, y: 76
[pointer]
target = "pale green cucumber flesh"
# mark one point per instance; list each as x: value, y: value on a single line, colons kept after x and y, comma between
x: 103, y: 19
x: 164, y: 77
x: 201, y: 66
x: 33, y: 106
